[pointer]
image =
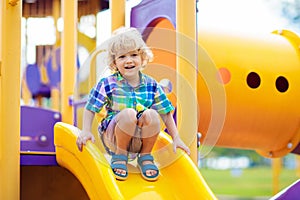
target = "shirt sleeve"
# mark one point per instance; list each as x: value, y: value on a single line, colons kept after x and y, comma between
x: 161, y: 103
x: 97, y: 97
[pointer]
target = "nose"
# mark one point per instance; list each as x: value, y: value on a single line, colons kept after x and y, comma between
x: 128, y: 59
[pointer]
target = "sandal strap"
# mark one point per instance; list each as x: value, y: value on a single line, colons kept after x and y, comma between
x: 149, y: 167
x: 119, y: 157
x: 119, y: 166
x: 146, y: 157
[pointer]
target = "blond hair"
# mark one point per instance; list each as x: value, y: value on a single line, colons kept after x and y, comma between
x: 125, y: 40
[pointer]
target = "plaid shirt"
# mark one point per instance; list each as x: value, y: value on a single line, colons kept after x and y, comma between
x: 115, y: 94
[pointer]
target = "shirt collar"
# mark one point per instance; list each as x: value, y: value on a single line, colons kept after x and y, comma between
x: 121, y: 78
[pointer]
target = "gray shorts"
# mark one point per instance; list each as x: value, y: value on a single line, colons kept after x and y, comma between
x: 109, y: 139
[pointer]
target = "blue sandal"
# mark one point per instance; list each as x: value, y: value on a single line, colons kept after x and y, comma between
x: 113, y: 165
x: 144, y: 168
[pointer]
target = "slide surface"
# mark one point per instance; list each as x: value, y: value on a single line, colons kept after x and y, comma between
x: 179, y: 179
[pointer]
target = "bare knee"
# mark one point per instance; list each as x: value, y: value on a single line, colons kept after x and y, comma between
x: 126, y: 121
x: 151, y: 118
x: 150, y: 129
x: 127, y: 117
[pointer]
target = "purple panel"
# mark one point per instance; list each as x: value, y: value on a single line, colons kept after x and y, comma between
x: 43, y: 91
x: 38, y: 160
x: 54, y: 68
x: 37, y: 126
x: 148, y: 10
x: 292, y: 192
x: 33, y: 78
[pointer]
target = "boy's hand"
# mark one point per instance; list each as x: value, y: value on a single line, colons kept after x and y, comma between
x: 178, y: 143
x: 82, y: 139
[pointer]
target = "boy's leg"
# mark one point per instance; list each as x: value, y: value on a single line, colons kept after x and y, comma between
x: 150, y: 124
x: 125, y: 127
x: 124, y: 130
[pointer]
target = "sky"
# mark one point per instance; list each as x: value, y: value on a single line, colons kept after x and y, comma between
x: 255, y: 16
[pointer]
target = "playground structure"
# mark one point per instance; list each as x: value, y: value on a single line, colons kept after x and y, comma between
x: 244, y: 100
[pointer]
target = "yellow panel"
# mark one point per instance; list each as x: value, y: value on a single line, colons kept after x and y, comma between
x: 179, y: 179
x: 10, y: 51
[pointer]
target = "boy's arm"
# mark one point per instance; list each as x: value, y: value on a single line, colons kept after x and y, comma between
x: 88, y: 117
x: 86, y: 134
x: 173, y: 131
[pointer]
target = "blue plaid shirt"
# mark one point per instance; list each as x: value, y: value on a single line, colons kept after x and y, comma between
x: 114, y: 94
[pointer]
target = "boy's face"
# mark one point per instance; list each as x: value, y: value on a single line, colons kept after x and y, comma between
x: 129, y: 64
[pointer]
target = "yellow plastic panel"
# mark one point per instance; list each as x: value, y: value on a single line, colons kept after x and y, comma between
x: 179, y: 179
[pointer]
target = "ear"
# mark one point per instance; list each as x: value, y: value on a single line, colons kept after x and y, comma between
x: 113, y: 66
x: 144, y: 62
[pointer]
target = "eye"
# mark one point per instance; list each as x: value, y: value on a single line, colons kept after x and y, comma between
x: 121, y: 57
x: 134, y: 54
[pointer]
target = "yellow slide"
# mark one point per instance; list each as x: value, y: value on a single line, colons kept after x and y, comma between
x: 179, y: 179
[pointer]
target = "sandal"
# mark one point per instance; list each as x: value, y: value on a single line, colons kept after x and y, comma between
x: 144, y: 168
x: 113, y: 165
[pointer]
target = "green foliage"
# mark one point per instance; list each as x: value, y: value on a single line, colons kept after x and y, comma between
x: 250, y: 183
x: 255, y: 158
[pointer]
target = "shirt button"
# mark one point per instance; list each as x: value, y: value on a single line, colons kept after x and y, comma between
x: 134, y: 102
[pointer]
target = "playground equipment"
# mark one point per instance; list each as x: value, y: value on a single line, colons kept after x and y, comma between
x: 93, y: 171
x: 257, y: 69
x: 236, y: 75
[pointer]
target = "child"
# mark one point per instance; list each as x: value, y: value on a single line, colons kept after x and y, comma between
x: 133, y: 102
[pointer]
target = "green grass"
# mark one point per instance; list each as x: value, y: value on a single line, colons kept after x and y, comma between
x: 252, y: 182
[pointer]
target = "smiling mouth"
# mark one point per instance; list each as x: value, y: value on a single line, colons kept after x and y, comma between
x: 130, y: 67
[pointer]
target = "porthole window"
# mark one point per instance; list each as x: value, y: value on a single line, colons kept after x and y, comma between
x: 282, y: 84
x: 223, y: 75
x: 253, y: 80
